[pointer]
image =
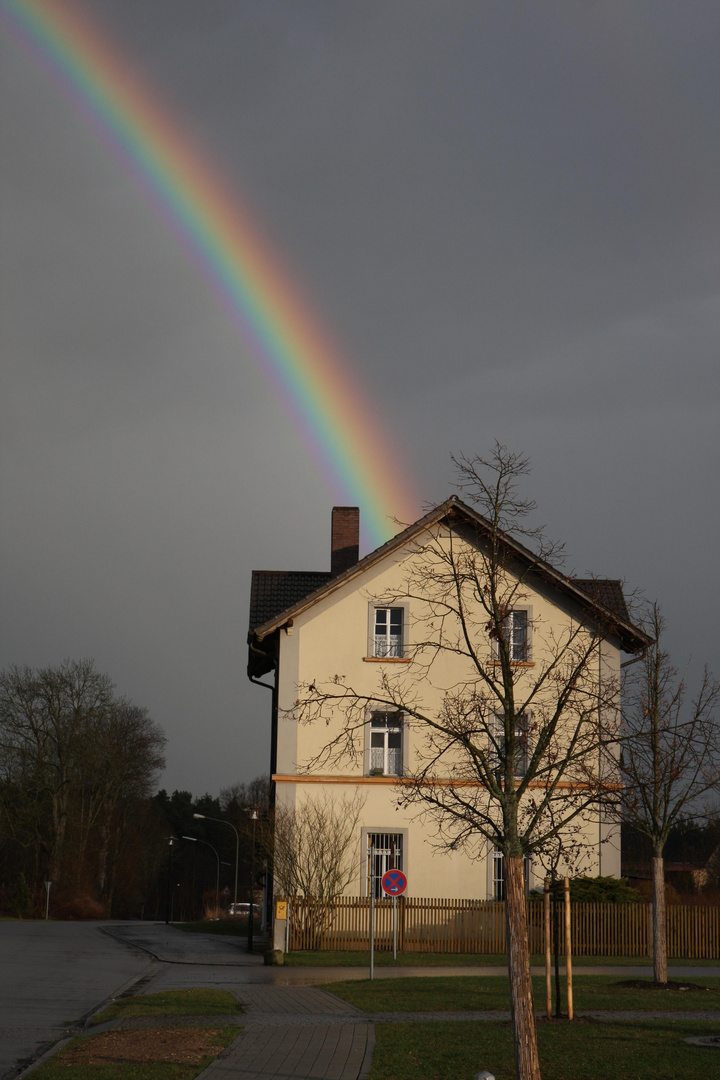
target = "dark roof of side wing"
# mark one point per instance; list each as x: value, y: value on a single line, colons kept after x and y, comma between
x: 274, y: 591
x: 607, y: 592
x: 603, y: 597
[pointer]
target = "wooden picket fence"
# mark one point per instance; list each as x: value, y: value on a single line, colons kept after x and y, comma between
x: 478, y: 926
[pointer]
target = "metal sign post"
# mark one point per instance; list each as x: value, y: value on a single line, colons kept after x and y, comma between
x: 372, y: 911
x: 47, y: 898
x: 394, y: 884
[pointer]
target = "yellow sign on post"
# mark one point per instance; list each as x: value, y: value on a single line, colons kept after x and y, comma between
x: 281, y: 909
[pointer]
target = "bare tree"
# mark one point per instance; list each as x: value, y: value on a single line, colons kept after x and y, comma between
x: 128, y: 755
x: 315, y: 846
x: 75, y: 760
x: 670, y: 760
x: 45, y: 716
x: 509, y: 746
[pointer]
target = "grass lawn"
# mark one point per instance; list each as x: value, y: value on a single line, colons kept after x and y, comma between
x: 199, y: 1002
x: 450, y: 994
x: 585, y: 1050
x: 417, y: 959
x: 138, y: 1055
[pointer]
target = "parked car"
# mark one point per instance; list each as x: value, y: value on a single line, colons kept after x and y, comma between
x: 243, y: 909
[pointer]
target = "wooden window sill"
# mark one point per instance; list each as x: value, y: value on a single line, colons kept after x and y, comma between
x: 387, y: 660
x: 515, y: 663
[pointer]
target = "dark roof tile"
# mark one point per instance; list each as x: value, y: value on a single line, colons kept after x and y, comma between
x: 274, y: 591
x: 606, y: 592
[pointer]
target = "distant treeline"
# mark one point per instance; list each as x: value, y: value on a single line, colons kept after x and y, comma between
x: 78, y: 765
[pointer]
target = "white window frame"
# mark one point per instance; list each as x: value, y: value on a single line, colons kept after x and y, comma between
x: 524, y: 653
x: 397, y: 727
x: 386, y: 644
x: 522, y: 734
x: 496, y: 882
x: 385, y: 858
x: 389, y: 650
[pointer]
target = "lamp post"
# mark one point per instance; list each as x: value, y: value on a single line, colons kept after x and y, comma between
x: 171, y: 840
x: 221, y: 821
x: 253, y: 818
x: 197, y: 840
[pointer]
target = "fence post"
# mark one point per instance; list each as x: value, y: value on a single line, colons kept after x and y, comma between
x: 402, y: 924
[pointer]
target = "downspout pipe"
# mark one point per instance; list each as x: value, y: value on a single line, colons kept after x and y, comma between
x: 638, y: 658
x: 269, y: 877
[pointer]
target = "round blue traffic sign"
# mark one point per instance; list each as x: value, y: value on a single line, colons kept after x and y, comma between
x: 394, y: 882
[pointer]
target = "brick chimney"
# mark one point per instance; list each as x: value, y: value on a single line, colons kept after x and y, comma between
x: 345, y: 538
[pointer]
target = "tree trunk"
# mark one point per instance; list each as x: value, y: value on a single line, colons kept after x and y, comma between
x: 527, y: 1066
x: 659, y: 923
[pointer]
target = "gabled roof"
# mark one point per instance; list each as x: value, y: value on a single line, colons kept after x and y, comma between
x: 601, y: 599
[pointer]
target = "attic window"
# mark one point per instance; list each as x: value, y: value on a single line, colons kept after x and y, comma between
x: 515, y: 632
x: 388, y: 632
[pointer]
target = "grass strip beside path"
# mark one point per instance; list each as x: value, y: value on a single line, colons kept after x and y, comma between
x: 195, y: 1002
x: 418, y: 959
x: 451, y: 994
x: 138, y: 1055
x: 581, y: 1050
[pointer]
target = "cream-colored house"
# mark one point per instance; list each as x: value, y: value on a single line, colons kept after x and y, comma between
x: 364, y: 622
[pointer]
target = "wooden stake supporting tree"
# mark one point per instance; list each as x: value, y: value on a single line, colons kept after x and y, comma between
x: 548, y: 948
x: 568, y: 947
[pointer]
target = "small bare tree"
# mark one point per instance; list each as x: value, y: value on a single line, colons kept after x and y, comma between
x: 315, y: 850
x: 509, y: 747
x: 315, y: 846
x: 670, y: 760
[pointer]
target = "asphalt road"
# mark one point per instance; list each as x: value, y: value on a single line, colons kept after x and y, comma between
x: 51, y: 975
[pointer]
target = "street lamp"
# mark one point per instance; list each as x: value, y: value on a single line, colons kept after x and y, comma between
x: 197, y: 840
x: 253, y: 818
x: 171, y: 840
x: 221, y: 821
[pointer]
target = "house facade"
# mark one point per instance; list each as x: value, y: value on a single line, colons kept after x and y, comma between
x: 369, y: 624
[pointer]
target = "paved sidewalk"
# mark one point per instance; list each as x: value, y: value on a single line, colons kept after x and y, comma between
x: 297, y: 1034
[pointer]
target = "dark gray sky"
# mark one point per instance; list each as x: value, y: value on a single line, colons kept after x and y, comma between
x: 508, y: 215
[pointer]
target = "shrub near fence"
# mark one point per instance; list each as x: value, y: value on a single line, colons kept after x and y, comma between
x: 478, y: 926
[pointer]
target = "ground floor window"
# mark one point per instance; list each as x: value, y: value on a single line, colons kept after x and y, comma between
x: 384, y: 852
x: 498, y: 875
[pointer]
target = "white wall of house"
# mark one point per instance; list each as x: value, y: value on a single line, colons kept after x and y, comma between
x: 332, y: 637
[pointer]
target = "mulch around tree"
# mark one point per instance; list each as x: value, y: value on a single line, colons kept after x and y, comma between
x: 182, y: 1046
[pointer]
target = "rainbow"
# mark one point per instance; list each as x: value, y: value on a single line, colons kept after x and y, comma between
x: 305, y: 370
